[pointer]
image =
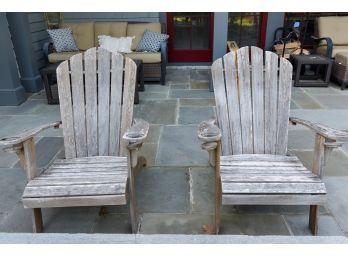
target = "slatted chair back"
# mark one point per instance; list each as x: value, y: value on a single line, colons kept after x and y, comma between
x: 96, y: 94
x: 252, y: 93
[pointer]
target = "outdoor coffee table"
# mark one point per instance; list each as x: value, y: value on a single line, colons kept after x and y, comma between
x: 48, y: 74
x: 312, y: 80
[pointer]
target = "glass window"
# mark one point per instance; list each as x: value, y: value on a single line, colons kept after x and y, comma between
x: 244, y: 28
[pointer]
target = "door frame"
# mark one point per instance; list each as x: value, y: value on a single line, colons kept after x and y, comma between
x: 189, y: 55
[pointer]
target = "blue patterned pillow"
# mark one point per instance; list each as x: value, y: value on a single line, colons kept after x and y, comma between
x: 63, y: 40
x: 151, y: 41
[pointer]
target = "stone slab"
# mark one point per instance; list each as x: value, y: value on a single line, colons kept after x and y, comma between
x: 153, y: 223
x: 333, y: 101
x: 149, y: 151
x: 327, y: 226
x: 332, y: 118
x: 12, y: 183
x: 305, y: 101
x: 180, y: 86
x: 155, y: 88
x: 253, y: 224
x: 181, y: 93
x: 179, y: 146
x: 113, y: 224
x: 197, y: 102
x: 46, y: 149
x: 199, y: 84
x: 200, y: 74
x: 202, y: 190
x: 195, y: 115
x: 157, y: 111
x: 163, y: 190
x: 338, y: 199
x: 152, y: 95
x: 301, y: 139
x: 337, y: 164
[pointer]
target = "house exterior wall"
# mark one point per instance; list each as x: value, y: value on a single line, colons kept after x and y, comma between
x: 112, y: 16
x: 11, y: 90
x: 28, y: 35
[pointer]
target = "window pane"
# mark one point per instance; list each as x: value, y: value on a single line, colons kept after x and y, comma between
x: 244, y: 28
x: 191, y: 30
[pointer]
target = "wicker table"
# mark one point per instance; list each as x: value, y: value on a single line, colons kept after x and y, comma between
x: 312, y: 80
x: 48, y: 74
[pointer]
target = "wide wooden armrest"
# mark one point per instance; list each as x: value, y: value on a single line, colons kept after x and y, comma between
x: 208, y: 131
x: 22, y: 137
x: 323, y: 130
x: 137, y: 133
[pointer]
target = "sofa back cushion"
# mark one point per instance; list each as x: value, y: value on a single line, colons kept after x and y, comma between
x: 83, y: 33
x: 334, y: 27
x: 137, y: 30
x: 113, y: 29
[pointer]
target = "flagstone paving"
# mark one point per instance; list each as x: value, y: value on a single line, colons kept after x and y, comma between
x: 175, y: 191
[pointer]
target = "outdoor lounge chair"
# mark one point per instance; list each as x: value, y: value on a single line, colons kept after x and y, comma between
x: 247, y: 144
x: 96, y: 92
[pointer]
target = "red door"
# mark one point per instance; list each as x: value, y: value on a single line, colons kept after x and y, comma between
x: 190, y: 37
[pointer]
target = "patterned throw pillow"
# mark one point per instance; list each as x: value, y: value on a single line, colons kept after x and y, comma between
x: 151, y: 41
x: 63, y: 40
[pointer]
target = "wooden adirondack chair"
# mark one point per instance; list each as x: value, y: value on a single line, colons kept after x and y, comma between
x: 96, y: 92
x: 247, y: 144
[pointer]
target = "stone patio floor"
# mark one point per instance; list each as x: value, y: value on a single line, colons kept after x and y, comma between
x: 175, y: 190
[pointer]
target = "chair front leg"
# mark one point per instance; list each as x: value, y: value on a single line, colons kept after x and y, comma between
x: 28, y: 159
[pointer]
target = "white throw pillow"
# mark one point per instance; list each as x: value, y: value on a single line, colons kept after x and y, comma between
x: 116, y: 44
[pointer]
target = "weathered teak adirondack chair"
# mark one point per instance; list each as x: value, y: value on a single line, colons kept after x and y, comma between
x: 248, y: 142
x: 96, y: 105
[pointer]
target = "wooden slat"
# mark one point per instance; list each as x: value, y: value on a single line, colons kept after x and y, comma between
x: 227, y: 178
x: 103, y: 100
x: 259, y: 157
x: 284, y: 96
x: 246, y: 199
x: 82, y: 174
x: 258, y: 164
x: 257, y: 83
x: 273, y: 188
x: 95, y: 159
x: 98, y: 200
x: 128, y: 99
x: 88, y: 165
x: 271, y: 96
x: 115, y: 170
x: 221, y: 106
x: 87, y: 175
x: 232, y: 99
x: 63, y: 81
x: 78, y: 98
x: 74, y: 190
x: 77, y: 181
x: 245, y: 99
x: 91, y: 101
x: 115, y: 103
x: 264, y: 170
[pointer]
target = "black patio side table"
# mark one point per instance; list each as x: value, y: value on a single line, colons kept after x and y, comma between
x: 311, y: 80
x: 48, y: 74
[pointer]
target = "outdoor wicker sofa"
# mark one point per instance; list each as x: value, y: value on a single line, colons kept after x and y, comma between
x: 86, y: 36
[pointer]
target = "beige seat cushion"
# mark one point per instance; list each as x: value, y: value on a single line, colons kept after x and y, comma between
x: 58, y: 57
x: 336, y: 49
x: 146, y: 57
x: 83, y: 33
x: 342, y: 58
x: 138, y: 29
x: 334, y: 27
x: 113, y: 29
